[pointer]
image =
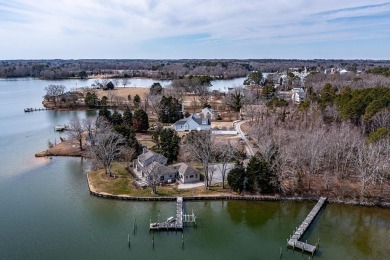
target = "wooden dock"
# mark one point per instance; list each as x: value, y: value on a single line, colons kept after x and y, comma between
x: 294, y: 239
x: 30, y: 109
x: 171, y: 224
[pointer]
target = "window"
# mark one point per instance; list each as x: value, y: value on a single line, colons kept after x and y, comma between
x: 196, y: 175
x: 186, y: 177
x: 191, y: 176
x: 161, y: 177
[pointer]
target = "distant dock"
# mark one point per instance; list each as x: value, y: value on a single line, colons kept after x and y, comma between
x: 175, y: 223
x: 30, y: 109
x: 294, y: 239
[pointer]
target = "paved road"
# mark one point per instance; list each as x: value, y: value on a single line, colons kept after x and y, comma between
x: 248, y: 146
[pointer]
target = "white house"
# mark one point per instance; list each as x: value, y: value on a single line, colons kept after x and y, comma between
x: 298, y: 95
x: 186, y: 173
x: 207, y: 113
x: 193, y: 122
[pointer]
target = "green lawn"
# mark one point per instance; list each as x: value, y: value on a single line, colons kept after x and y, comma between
x: 122, y: 184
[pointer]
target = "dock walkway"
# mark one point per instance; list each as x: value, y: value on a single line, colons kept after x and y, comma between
x: 294, y: 239
x: 173, y: 224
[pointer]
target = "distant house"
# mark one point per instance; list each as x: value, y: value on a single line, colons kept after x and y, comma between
x: 207, y: 113
x: 193, y: 122
x: 145, y: 159
x: 298, y: 95
x: 186, y: 173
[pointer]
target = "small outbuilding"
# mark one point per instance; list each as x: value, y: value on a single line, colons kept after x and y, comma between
x: 186, y: 173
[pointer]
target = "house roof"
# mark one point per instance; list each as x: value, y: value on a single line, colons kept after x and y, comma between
x: 194, y: 117
x: 161, y: 169
x: 148, y: 155
x: 184, y: 169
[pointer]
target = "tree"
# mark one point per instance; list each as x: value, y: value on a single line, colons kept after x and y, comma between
x: 225, y: 152
x: 170, y: 110
x: 89, y: 124
x: 140, y: 120
x: 260, y: 176
x: 169, y: 144
x: 108, y: 148
x: 105, y: 113
x: 125, y: 82
x: 236, y: 178
x: 199, y: 147
x: 156, y: 89
x: 53, y: 92
x: 75, y: 131
x: 109, y: 86
x: 127, y: 117
x: 83, y: 74
x: 254, y: 77
x: 236, y: 99
x: 116, y: 118
x: 137, y: 101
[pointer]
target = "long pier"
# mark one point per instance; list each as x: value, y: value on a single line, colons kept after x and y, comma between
x: 171, y: 223
x: 294, y: 239
x: 30, y: 109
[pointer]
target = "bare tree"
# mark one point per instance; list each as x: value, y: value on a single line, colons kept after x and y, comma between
x: 152, y: 176
x: 53, y: 92
x: 75, y: 131
x: 109, y: 147
x: 125, y: 82
x: 225, y: 152
x: 89, y: 124
x: 129, y: 154
x: 175, y: 91
x: 154, y: 103
x: 199, y: 146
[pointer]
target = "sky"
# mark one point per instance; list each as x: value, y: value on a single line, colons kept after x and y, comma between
x: 194, y: 29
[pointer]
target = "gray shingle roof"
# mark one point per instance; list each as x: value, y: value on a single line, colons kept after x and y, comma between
x: 184, y: 169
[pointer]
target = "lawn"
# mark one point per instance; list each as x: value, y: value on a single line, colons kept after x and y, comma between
x: 122, y: 184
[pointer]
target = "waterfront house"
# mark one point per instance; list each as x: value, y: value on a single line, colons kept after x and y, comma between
x: 165, y: 174
x: 186, y: 173
x: 145, y: 159
x: 193, y: 122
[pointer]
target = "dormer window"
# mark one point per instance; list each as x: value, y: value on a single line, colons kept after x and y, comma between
x: 204, y: 121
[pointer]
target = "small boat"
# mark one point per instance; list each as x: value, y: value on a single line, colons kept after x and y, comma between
x: 28, y: 110
x: 59, y: 127
x: 171, y: 219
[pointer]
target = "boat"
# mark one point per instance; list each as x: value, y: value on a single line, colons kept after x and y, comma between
x: 28, y: 110
x: 59, y: 127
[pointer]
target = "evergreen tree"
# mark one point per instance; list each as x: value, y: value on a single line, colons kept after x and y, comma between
x: 128, y: 117
x: 169, y: 144
x: 137, y: 101
x: 140, y: 120
x: 105, y: 113
x: 169, y: 110
x: 116, y: 118
x: 128, y: 133
x: 260, y: 175
x: 156, y: 89
x: 236, y: 177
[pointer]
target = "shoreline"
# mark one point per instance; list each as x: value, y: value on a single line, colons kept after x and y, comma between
x: 275, y: 198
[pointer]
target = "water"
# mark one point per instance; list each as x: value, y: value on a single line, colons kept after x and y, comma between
x: 46, y: 211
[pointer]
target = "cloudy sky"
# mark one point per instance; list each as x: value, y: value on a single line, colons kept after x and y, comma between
x: 153, y: 29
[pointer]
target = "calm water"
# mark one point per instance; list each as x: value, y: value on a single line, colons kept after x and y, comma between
x: 46, y: 211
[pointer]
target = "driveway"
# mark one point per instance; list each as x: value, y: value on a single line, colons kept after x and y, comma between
x: 217, y: 176
x: 248, y: 147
